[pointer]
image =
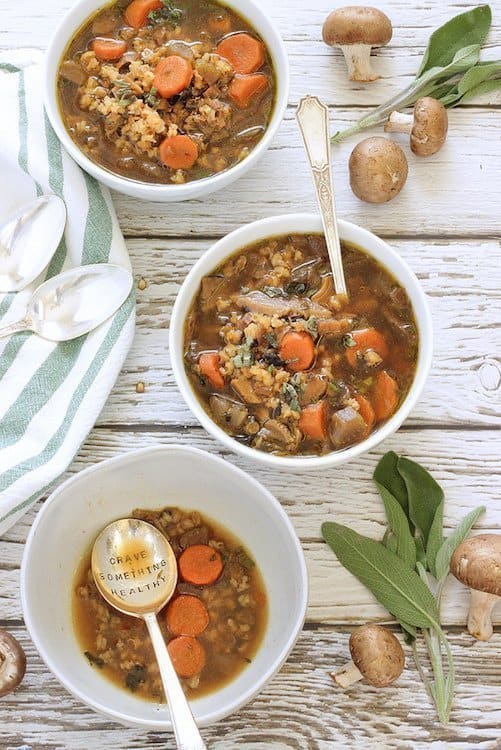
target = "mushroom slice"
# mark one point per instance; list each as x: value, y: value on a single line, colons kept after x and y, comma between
x: 356, y: 29
x: 12, y: 663
x: 280, y: 436
x: 427, y: 126
x: 229, y: 414
x: 376, y: 655
x: 477, y: 564
x: 378, y: 170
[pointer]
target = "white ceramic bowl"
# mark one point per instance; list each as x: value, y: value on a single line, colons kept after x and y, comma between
x: 72, y: 21
x: 70, y: 520
x: 301, y: 223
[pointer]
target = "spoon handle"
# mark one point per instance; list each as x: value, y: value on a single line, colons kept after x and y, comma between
x: 313, y: 119
x: 20, y: 325
x: 186, y: 731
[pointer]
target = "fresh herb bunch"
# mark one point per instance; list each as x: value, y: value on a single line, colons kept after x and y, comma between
x: 406, y: 571
x: 168, y: 14
x: 450, y: 70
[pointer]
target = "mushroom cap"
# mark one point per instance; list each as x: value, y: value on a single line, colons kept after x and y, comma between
x: 357, y: 24
x: 12, y: 663
x: 430, y: 126
x: 477, y: 563
x: 377, y: 653
x: 378, y: 170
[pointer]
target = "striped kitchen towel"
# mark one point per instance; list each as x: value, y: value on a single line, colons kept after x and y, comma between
x: 50, y: 394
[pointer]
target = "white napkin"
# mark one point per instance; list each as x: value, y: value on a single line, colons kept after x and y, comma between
x: 50, y: 394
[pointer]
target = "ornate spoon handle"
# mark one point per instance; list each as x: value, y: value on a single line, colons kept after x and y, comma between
x: 313, y: 119
x: 20, y: 325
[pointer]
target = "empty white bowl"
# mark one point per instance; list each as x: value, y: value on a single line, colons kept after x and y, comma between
x: 301, y: 224
x: 70, y: 520
x: 71, y: 22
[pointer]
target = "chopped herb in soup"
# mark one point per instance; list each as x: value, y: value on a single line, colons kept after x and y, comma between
x: 283, y: 364
x: 166, y: 91
x: 213, y: 625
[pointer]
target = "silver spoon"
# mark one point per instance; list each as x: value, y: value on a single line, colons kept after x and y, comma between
x: 29, y: 237
x: 74, y: 302
x: 313, y: 119
x: 139, y: 549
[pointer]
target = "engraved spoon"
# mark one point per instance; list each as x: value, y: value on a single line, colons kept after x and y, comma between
x: 141, y: 551
x: 29, y: 237
x: 313, y: 119
x: 74, y: 302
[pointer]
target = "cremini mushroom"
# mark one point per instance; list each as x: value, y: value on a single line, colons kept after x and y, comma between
x: 356, y: 29
x: 427, y: 126
x: 477, y: 564
x: 12, y: 663
x: 376, y: 655
x: 378, y: 170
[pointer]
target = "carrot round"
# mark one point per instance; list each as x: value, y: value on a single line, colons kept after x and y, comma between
x: 208, y: 363
x: 108, y: 50
x: 366, y: 411
x: 243, y: 89
x: 313, y: 420
x: 200, y: 565
x: 172, y: 75
x: 384, y: 396
x: 187, y: 615
x: 244, y: 53
x: 297, y: 350
x: 187, y: 654
x: 136, y: 14
x: 220, y: 24
x: 366, y: 338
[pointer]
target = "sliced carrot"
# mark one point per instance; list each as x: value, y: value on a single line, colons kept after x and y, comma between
x: 187, y: 654
x: 366, y: 338
x: 172, y: 75
x: 313, y: 420
x: 136, y: 14
x: 178, y: 152
x: 200, y: 565
x: 243, y: 52
x: 366, y: 410
x: 298, y: 350
x: 220, y: 24
x: 243, y: 89
x: 187, y: 615
x: 384, y: 396
x: 108, y: 50
x: 209, y: 368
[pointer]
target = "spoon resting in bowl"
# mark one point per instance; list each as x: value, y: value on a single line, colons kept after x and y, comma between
x: 139, y: 549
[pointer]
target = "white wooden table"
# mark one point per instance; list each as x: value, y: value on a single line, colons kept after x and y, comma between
x: 447, y: 225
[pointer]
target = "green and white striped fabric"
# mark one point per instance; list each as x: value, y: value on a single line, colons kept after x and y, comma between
x: 50, y: 394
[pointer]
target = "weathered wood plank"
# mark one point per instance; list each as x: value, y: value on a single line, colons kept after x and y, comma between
x: 300, y: 709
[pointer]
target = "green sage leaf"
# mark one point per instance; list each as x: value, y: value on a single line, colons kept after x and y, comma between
x: 390, y: 541
x: 405, y: 547
x: 395, y: 586
x: 483, y: 88
x: 461, y: 31
x: 420, y: 551
x: 444, y: 554
x: 477, y: 75
x: 424, y: 494
x: 435, y: 538
x: 386, y: 475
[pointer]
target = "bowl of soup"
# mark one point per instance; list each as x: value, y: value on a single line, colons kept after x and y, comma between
x: 166, y: 100
x: 235, y: 614
x: 282, y: 370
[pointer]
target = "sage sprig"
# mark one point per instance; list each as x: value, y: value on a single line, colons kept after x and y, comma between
x: 406, y: 571
x: 450, y: 70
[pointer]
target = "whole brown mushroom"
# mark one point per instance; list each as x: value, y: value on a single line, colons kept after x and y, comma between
x: 477, y: 564
x: 356, y: 29
x: 376, y: 655
x: 427, y: 126
x: 378, y: 170
x: 12, y: 663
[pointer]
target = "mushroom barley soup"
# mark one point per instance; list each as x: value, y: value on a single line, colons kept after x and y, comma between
x: 284, y: 365
x: 213, y: 625
x: 166, y: 91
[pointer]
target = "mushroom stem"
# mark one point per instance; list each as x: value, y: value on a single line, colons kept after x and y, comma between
x: 358, y: 60
x: 479, y: 616
x: 348, y: 675
x: 399, y: 123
